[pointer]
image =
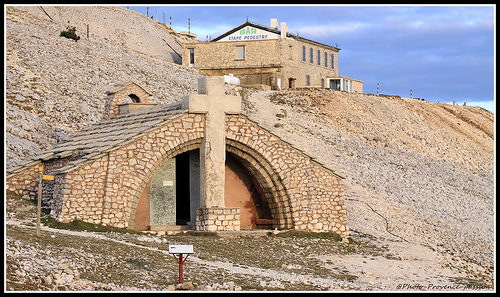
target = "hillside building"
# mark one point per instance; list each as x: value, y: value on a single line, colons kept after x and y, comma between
x: 269, y: 58
x: 196, y: 164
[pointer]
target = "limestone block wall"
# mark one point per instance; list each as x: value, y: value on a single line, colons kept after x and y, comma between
x: 265, y: 60
x: 218, y: 219
x: 308, y: 194
x: 299, y: 69
x: 301, y: 193
x: 78, y: 195
x: 223, y: 54
x: 24, y: 182
x: 357, y: 86
x: 107, y: 189
x: 111, y: 109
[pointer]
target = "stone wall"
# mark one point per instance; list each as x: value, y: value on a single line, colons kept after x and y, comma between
x: 302, y: 194
x: 265, y: 61
x: 218, y: 219
x: 115, y: 97
x: 106, y: 190
x: 24, y: 181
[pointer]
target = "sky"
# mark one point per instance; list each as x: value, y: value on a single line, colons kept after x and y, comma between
x: 440, y: 53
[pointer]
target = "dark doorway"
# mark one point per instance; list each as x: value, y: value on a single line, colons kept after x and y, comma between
x: 183, y: 193
x: 242, y: 190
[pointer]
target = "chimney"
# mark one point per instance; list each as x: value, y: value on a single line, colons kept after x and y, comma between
x: 274, y: 23
x: 284, y: 30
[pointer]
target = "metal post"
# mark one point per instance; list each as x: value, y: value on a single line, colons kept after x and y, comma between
x: 377, y: 89
x: 411, y: 94
x: 180, y: 268
x: 39, y: 204
x: 189, y: 26
x: 181, y: 261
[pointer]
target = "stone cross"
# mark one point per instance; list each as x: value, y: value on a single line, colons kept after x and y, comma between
x: 212, y: 101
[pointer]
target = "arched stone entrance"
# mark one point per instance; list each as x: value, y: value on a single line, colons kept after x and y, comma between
x: 172, y: 195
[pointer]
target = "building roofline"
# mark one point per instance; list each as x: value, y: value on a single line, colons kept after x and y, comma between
x: 121, y: 86
x: 272, y: 30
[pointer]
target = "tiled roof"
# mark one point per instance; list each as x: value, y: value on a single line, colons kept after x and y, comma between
x: 107, y: 135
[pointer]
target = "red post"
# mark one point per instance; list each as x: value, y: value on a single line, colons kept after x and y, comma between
x: 181, y: 261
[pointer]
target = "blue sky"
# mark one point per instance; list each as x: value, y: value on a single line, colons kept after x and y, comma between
x: 441, y: 53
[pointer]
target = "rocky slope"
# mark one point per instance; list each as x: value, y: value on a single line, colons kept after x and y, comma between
x: 56, y: 86
x: 422, y: 170
x: 416, y: 171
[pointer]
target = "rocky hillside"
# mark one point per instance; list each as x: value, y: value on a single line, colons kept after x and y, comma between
x: 416, y: 171
x: 56, y: 86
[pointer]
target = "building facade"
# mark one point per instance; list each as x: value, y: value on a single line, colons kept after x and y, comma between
x: 270, y: 58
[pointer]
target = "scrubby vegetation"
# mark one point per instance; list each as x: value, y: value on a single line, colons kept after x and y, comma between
x: 70, y: 33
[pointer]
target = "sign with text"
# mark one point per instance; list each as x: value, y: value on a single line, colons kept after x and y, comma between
x: 250, y: 33
x: 180, y: 249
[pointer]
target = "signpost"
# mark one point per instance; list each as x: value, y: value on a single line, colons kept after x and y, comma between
x: 178, y: 251
x: 41, y: 177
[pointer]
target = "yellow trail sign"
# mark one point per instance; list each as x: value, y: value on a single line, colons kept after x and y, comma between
x: 48, y: 177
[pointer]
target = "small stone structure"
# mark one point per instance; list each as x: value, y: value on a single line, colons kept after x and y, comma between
x: 165, y: 167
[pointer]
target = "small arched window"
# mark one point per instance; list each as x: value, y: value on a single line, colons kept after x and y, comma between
x: 135, y: 98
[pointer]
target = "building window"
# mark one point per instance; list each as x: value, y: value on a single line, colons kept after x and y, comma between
x: 304, y: 53
x: 191, y: 57
x: 333, y: 62
x: 319, y: 57
x: 326, y: 59
x: 290, y: 50
x: 311, y: 54
x: 240, y: 52
x: 135, y: 98
x: 308, y: 80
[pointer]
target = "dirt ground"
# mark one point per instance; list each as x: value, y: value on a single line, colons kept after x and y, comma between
x: 72, y: 260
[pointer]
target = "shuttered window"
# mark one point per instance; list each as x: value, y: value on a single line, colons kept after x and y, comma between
x: 240, y: 52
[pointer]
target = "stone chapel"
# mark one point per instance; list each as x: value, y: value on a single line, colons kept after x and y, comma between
x: 197, y: 164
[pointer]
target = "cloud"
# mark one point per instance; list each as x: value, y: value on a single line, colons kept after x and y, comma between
x: 442, y: 53
x: 489, y: 105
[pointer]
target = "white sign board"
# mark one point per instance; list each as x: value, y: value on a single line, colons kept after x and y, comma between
x: 168, y: 183
x: 250, y: 33
x: 180, y: 249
